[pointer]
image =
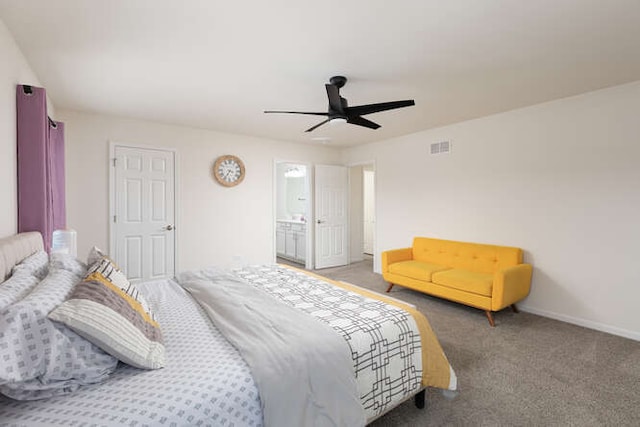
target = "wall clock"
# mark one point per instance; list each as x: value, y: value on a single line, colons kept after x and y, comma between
x: 228, y: 170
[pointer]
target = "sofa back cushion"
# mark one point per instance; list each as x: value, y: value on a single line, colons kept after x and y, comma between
x: 475, y: 257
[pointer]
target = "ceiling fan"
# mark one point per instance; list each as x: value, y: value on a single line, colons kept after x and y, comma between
x: 339, y: 110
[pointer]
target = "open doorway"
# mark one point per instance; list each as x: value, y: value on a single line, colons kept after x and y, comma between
x: 362, y: 212
x: 292, y: 212
x: 369, y: 209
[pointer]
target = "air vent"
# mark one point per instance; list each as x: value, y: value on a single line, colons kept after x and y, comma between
x: 440, y: 147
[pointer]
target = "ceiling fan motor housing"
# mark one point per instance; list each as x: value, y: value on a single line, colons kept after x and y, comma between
x: 338, y: 81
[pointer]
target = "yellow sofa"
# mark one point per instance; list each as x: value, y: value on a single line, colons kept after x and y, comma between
x: 487, y: 277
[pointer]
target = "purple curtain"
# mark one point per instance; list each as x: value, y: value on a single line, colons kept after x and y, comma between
x: 41, y: 195
x: 56, y: 144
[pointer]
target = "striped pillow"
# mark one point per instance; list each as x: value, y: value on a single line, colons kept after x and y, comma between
x: 110, y: 312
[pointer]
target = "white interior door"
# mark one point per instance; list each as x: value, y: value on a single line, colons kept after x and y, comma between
x: 368, y: 210
x: 143, y: 232
x: 331, y: 228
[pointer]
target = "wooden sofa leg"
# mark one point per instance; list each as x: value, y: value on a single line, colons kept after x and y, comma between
x: 514, y: 308
x: 490, y: 317
x: 389, y: 288
x: 419, y: 399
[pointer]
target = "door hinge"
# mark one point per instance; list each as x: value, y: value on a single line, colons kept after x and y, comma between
x: 114, y: 218
x: 114, y: 161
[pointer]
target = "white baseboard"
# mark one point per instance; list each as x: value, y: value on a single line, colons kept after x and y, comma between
x: 583, y: 322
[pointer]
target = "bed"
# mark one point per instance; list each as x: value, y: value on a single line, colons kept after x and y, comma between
x: 206, y: 380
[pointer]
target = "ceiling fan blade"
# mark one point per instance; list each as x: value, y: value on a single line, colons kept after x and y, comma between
x: 360, y: 121
x: 317, y: 126
x: 298, y: 112
x: 361, y: 110
x: 335, y: 103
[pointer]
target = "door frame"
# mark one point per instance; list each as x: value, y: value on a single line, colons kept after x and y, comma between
x: 310, y: 240
x: 112, y: 195
x: 366, y: 205
x: 375, y: 205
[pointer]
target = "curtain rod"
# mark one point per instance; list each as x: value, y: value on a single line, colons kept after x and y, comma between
x: 28, y: 90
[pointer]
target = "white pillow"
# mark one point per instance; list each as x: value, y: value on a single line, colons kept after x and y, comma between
x: 16, y: 287
x: 39, y: 358
x: 36, y: 264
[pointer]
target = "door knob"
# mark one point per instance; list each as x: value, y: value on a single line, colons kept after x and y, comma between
x: 319, y: 221
x: 169, y: 227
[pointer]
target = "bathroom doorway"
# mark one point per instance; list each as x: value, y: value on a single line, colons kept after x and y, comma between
x: 293, y: 237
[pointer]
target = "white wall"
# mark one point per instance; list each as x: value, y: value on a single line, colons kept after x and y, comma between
x: 14, y: 70
x: 215, y: 223
x: 560, y: 180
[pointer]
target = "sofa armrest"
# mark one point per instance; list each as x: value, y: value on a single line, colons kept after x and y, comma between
x: 395, y: 255
x: 510, y: 285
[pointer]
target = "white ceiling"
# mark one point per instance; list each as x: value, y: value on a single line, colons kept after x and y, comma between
x: 218, y: 64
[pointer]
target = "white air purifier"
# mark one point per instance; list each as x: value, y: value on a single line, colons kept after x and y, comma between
x: 65, y: 241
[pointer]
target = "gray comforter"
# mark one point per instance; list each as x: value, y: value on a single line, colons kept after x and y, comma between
x: 303, y: 368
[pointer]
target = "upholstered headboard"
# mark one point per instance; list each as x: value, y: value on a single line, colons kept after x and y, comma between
x: 14, y: 249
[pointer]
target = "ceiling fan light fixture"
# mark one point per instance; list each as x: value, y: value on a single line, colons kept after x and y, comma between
x: 338, y: 121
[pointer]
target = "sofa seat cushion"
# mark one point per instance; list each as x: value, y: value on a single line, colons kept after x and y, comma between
x: 415, y: 269
x: 464, y: 280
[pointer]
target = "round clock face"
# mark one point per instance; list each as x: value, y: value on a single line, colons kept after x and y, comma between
x: 228, y: 170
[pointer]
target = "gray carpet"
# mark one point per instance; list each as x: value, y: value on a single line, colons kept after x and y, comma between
x: 527, y: 371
